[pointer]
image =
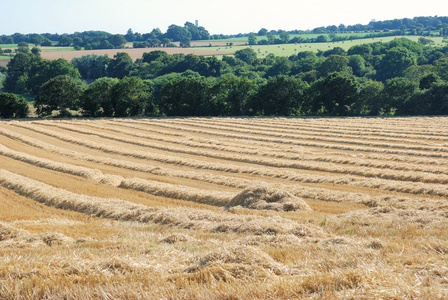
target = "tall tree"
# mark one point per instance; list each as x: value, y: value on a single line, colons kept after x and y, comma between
x: 60, y: 93
x: 13, y: 106
x: 395, y: 62
x: 281, y: 95
x: 96, y: 100
x: 130, y: 97
x: 234, y: 94
x: 252, y: 39
x: 334, y: 95
x: 19, y: 71
x: 120, y: 66
x: 334, y: 63
x: 247, y: 55
x: 188, y: 96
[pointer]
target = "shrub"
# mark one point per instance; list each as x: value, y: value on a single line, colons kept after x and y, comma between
x: 13, y: 106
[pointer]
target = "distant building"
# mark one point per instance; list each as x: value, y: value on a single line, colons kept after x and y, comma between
x: 196, y: 23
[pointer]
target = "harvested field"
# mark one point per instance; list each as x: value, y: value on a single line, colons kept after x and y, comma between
x: 224, y: 208
x: 4, y: 62
x: 133, y: 53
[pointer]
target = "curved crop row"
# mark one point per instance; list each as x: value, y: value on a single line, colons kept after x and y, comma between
x: 413, y: 176
x: 403, y: 187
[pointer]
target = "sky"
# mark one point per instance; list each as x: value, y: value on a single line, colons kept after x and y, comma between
x: 218, y: 17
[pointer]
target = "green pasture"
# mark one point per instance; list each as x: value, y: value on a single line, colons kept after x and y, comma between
x: 4, y: 46
x: 57, y: 49
x: 302, y: 35
x: 290, y: 49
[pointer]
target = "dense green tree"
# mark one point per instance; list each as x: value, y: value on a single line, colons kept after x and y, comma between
x: 365, y: 50
x: 397, y: 92
x: 64, y: 40
x: 334, y: 63
x: 306, y: 61
x: 131, y: 97
x: 177, y: 33
x: 157, y: 55
x: 46, y: 42
x: 19, y: 71
x: 247, y: 55
x: 232, y: 61
x: 188, y: 96
x: 284, y: 36
x: 186, y: 42
x: 59, y: 93
x: 441, y: 67
x: 427, y: 81
x: 334, y: 95
x: 23, y: 48
x: 282, y: 66
x: 117, y: 40
x: 46, y: 70
x: 436, y: 99
x: 13, y: 106
x: 335, y: 51
x: 197, y: 32
x: 281, y: 95
x: 262, y: 32
x: 96, y: 100
x: 77, y: 41
x: 120, y: 66
x: 252, y: 39
x: 370, y: 98
x: 92, y: 66
x: 271, y: 39
x: 416, y: 73
x: 36, y: 51
x: 234, y: 94
x: 395, y: 62
x: 129, y: 36
x: 358, y: 65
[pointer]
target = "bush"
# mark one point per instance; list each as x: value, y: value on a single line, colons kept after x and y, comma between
x: 13, y: 106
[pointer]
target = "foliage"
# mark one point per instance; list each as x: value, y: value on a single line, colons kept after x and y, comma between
x: 397, y: 77
x: 59, y: 93
x: 395, y: 62
x: 131, y: 97
x: 188, y: 96
x: 92, y: 66
x: 281, y: 95
x: 120, y: 66
x: 247, y: 55
x: 13, y: 106
x: 235, y: 94
x: 96, y: 101
x: 334, y: 95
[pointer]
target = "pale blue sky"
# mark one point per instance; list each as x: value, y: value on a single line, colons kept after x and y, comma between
x: 228, y: 16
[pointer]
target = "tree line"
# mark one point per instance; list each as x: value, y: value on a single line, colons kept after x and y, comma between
x: 190, y: 32
x: 400, y: 77
x: 104, y: 40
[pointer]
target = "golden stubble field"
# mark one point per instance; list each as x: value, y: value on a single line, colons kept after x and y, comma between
x: 224, y: 208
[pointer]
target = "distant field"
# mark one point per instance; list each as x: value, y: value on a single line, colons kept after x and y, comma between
x: 219, y: 47
x: 133, y: 53
x: 224, y: 208
x: 304, y: 35
x: 290, y: 49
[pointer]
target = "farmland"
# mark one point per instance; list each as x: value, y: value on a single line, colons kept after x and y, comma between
x: 219, y: 48
x: 224, y: 208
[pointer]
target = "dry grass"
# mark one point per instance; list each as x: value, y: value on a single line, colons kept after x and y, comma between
x: 224, y: 208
